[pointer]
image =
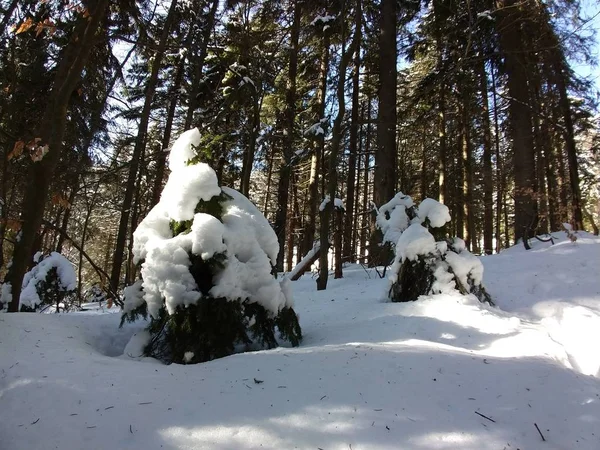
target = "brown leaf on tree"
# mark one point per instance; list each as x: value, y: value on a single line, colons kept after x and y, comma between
x: 60, y: 200
x: 13, y: 224
x: 17, y: 150
x: 25, y: 26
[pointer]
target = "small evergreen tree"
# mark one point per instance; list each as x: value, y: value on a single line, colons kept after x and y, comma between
x: 52, y: 281
x: 427, y: 261
x: 207, y: 260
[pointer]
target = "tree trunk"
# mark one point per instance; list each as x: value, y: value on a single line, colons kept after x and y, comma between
x: 385, y: 153
x: 488, y: 176
x: 569, y: 136
x: 348, y: 241
x: 509, y: 24
x: 499, y: 171
x: 51, y: 131
x: 336, y: 140
x: 140, y: 143
x: 317, y: 161
x: 288, y: 147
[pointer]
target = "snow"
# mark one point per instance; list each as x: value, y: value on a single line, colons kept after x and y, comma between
x: 309, y: 256
x: 183, y: 150
x: 322, y: 20
x: 323, y: 204
x: 415, y: 240
x: 64, y: 270
x: 244, y: 237
x: 392, y: 219
x: 369, y: 374
x: 432, y: 210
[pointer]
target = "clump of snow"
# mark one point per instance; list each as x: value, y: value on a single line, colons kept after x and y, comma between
x: 133, y: 296
x: 392, y: 218
x: 183, y: 149
x: 432, y: 210
x: 415, y: 240
x: 185, y: 187
x: 188, y: 356
x: 323, y: 204
x: 322, y: 20
x: 243, y: 236
x: 338, y: 203
x: 137, y: 343
x: 67, y: 280
x: 5, y: 293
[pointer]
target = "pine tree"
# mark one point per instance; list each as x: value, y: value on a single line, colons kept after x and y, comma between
x: 207, y: 260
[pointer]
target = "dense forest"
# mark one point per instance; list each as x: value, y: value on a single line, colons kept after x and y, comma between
x: 472, y: 103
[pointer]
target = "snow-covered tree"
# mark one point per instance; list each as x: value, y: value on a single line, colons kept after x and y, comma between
x: 207, y: 259
x: 426, y: 261
x: 50, y: 282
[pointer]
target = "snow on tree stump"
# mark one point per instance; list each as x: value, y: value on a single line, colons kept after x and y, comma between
x: 427, y: 262
x: 207, y: 258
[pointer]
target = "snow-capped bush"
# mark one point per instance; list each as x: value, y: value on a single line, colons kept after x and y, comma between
x: 95, y: 294
x: 207, y: 256
x: 426, y: 261
x: 50, y: 282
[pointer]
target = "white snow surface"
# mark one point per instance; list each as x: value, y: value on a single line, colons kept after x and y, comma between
x: 244, y: 236
x: 64, y: 269
x: 368, y: 375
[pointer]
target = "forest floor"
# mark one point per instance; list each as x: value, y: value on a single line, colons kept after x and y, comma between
x: 445, y: 372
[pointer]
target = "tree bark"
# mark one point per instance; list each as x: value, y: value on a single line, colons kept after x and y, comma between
x: 336, y: 140
x: 488, y: 176
x: 385, y: 153
x: 288, y: 147
x: 348, y: 241
x: 509, y: 23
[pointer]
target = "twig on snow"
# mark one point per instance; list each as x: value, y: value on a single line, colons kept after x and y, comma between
x: 538, y: 428
x: 485, y: 417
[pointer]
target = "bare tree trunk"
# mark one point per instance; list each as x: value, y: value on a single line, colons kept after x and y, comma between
x: 317, y: 162
x: 348, y: 241
x: 333, y: 161
x: 337, y: 243
x: 288, y: 148
x: 488, y: 175
x: 140, y: 143
x: 385, y: 153
x: 51, y: 132
x: 569, y: 136
x: 499, y: 172
x: 509, y: 24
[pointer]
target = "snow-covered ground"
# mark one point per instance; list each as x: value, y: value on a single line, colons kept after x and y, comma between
x: 442, y: 373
